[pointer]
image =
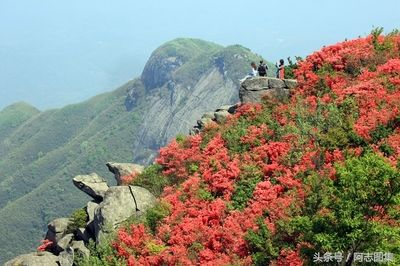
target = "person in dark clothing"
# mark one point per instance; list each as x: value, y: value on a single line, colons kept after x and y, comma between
x: 280, y: 69
x: 262, y: 69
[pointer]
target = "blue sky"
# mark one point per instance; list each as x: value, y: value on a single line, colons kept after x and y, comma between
x: 58, y: 52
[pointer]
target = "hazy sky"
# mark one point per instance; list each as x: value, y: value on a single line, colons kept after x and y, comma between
x: 54, y: 52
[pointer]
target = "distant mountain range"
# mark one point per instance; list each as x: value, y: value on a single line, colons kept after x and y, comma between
x: 40, y: 152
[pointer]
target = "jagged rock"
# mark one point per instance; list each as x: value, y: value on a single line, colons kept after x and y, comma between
x: 118, y: 205
x: 57, y: 229
x: 79, y: 248
x: 34, y: 259
x: 66, y: 258
x: 221, y: 116
x: 93, y: 185
x: 122, y: 169
x: 274, y: 83
x: 290, y: 83
x: 64, y: 242
x: 83, y: 234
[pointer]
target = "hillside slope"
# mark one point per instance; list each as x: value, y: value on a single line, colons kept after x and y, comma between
x: 40, y: 152
x: 285, y: 182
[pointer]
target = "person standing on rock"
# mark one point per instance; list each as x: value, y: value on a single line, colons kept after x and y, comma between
x: 262, y: 69
x: 253, y: 72
x: 280, y: 72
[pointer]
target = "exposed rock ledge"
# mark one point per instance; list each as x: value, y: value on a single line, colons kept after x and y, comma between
x: 254, y: 89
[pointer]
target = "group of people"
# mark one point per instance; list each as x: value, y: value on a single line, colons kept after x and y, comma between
x: 262, y: 68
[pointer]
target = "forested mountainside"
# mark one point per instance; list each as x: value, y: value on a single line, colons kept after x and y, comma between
x: 41, y: 151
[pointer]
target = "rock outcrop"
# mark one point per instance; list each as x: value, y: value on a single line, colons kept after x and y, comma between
x: 219, y: 116
x: 119, y: 204
x: 252, y: 90
x: 57, y: 229
x: 111, y: 207
x: 34, y: 259
x: 93, y: 185
x: 123, y: 169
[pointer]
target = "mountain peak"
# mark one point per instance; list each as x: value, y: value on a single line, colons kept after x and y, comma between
x: 170, y: 56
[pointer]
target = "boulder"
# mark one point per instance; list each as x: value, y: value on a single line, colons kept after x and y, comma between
x: 90, y: 209
x: 274, y: 83
x: 194, y: 131
x: 93, y: 185
x: 80, y: 249
x: 221, y: 116
x: 253, y: 90
x: 66, y: 258
x: 34, y: 259
x: 290, y: 83
x: 57, y: 229
x: 123, y: 169
x: 119, y: 204
x: 64, y: 242
x: 209, y: 115
x: 256, y: 84
x: 203, y: 122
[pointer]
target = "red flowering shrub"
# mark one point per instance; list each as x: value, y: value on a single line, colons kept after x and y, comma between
x: 46, y: 245
x: 254, y: 191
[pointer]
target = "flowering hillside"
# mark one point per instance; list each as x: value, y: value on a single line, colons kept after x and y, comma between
x: 282, y: 183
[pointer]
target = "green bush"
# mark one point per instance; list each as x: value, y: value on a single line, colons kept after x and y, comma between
x: 245, y: 186
x: 338, y: 214
x: 102, y: 254
x: 152, y: 179
x: 154, y: 215
x: 261, y: 246
x: 78, y: 220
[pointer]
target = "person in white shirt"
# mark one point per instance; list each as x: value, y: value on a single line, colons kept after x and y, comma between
x: 253, y: 72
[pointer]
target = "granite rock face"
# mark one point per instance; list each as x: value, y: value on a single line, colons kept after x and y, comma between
x: 119, y: 204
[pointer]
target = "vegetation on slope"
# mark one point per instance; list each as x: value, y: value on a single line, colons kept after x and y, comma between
x: 41, y: 151
x: 15, y: 115
x: 44, y: 153
x: 283, y: 181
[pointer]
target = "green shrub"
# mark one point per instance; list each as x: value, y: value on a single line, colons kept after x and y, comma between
x: 102, y: 254
x: 338, y: 214
x: 152, y: 179
x: 381, y: 132
x: 78, y: 220
x: 261, y: 246
x: 245, y: 186
x: 155, y: 248
x: 204, y: 194
x: 154, y: 215
x: 386, y: 149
